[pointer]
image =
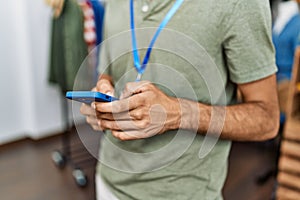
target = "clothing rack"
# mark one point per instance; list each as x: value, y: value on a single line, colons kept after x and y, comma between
x: 289, y: 161
x: 72, y: 153
x: 69, y: 50
x: 287, y: 170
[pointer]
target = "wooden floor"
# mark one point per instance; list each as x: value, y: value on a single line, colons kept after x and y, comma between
x: 28, y: 173
x: 249, y: 162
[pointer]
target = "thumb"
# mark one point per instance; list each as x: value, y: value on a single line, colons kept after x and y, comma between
x: 110, y: 93
x: 105, y: 87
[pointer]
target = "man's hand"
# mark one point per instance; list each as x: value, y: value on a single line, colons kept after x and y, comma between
x: 104, y: 85
x: 143, y: 111
x: 91, y: 116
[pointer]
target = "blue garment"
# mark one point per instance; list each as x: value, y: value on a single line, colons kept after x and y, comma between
x: 98, y: 9
x: 99, y: 15
x: 285, y: 44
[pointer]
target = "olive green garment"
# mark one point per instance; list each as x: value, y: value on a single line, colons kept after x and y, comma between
x: 68, y: 48
x: 236, y: 35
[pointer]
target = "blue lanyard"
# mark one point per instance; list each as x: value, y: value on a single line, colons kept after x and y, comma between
x: 136, y: 59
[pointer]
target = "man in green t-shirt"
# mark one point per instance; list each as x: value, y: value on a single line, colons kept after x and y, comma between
x: 161, y: 138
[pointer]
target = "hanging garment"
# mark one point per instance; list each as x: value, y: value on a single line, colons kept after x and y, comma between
x: 93, y: 13
x: 285, y: 44
x: 98, y: 8
x: 89, y: 30
x: 90, y: 36
x: 68, y: 48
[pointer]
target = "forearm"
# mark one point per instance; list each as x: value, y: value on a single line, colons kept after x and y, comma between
x: 153, y: 112
x: 252, y: 121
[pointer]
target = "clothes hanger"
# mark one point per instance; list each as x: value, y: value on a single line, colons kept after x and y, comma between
x: 57, y: 6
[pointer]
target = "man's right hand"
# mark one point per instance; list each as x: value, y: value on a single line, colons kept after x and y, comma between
x: 105, y: 86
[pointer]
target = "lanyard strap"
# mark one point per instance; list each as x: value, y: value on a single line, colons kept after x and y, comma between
x: 136, y: 59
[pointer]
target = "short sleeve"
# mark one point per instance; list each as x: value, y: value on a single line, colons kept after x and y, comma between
x: 247, y: 43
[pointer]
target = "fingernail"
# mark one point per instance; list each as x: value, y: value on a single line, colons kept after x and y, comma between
x: 93, y: 105
x: 110, y: 93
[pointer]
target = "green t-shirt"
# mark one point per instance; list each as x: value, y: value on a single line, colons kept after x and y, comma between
x: 236, y: 34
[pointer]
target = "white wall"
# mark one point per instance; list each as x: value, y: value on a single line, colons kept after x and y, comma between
x: 29, y: 106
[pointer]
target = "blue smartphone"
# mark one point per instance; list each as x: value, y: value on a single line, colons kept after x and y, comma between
x: 89, y: 96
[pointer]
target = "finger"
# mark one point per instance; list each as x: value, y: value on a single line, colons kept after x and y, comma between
x: 129, y: 135
x: 97, y: 128
x: 132, y: 88
x: 135, y: 114
x: 94, y: 123
x: 105, y: 87
x: 92, y: 120
x: 123, y: 105
x: 87, y: 110
x: 105, y: 77
x: 106, y: 116
x: 125, y: 125
x: 114, y: 117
